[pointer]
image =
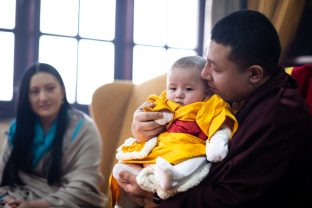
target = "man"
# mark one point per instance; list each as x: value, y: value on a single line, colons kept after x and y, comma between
x: 270, y: 156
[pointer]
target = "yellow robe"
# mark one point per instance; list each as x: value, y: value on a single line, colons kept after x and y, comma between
x: 177, y: 147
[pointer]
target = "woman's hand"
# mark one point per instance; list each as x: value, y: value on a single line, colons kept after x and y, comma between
x: 39, y: 203
x: 144, y: 126
x: 10, y: 202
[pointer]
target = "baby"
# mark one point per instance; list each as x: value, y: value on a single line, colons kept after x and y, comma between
x: 198, y: 128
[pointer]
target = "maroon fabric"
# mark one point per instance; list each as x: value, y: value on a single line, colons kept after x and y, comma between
x: 303, y: 76
x: 270, y: 156
x: 188, y: 127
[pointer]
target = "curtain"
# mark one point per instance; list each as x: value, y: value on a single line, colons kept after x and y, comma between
x: 285, y: 16
x: 217, y: 9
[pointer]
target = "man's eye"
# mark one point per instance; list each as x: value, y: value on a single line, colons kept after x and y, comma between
x: 216, y: 70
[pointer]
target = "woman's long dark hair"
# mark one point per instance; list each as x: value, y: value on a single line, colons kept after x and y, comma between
x: 21, y: 155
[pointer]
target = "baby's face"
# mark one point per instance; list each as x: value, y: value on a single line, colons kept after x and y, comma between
x: 185, y: 86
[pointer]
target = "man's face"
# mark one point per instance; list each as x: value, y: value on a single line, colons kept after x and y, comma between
x: 224, y: 77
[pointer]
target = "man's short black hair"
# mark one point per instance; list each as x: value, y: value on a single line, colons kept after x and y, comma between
x: 252, y: 38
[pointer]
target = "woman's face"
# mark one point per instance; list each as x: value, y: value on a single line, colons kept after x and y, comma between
x: 45, y: 96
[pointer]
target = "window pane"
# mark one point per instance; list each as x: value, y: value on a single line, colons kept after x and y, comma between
x: 148, y: 62
x: 62, y: 54
x: 7, y: 14
x: 156, y: 61
x: 6, y: 65
x: 160, y: 22
x: 97, y: 19
x: 95, y: 68
x: 59, y: 17
x: 183, y: 21
x: 174, y: 54
x: 150, y: 22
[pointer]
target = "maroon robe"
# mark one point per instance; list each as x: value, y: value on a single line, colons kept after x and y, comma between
x: 270, y: 156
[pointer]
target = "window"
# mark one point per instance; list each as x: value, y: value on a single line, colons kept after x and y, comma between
x: 76, y: 38
x: 163, y: 32
x: 92, y: 43
x: 7, y: 24
x: 6, y: 65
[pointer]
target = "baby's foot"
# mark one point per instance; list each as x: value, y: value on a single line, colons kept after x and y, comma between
x: 164, y: 173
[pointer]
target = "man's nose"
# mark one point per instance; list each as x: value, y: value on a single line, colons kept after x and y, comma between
x: 206, y: 73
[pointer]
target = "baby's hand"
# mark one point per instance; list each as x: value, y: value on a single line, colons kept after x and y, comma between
x: 167, y: 117
x: 217, y: 147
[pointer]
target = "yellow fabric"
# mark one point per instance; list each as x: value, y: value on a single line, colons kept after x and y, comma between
x: 213, y: 114
x: 177, y: 147
x: 285, y: 16
x: 114, y: 190
x: 173, y: 147
x: 289, y: 70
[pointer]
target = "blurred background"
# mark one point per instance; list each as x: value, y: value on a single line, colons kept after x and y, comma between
x: 93, y: 42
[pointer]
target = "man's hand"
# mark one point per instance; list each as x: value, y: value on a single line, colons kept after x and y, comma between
x: 128, y: 183
x: 144, y: 126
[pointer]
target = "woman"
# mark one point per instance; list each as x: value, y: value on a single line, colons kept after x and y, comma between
x: 53, y: 152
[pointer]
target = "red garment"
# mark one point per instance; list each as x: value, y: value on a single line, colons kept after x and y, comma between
x: 303, y: 76
x: 188, y: 127
x: 269, y: 163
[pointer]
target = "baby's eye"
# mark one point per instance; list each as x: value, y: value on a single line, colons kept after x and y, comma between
x: 172, y: 88
x: 189, y: 89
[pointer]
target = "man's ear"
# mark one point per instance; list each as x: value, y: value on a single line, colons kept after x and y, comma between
x: 256, y: 73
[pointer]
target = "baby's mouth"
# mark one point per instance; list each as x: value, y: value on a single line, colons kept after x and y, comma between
x: 179, y: 101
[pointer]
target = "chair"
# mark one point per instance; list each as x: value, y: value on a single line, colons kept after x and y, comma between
x: 112, y: 108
